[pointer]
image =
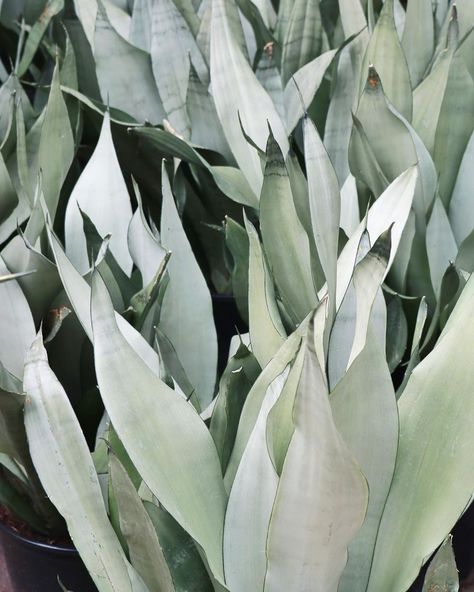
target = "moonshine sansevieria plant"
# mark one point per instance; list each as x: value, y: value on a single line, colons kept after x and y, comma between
x: 314, y: 159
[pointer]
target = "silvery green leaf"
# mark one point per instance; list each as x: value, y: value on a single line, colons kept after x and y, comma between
x: 267, y: 333
x: 145, y: 552
x: 322, y: 496
x: 186, y: 313
x: 442, y: 572
x: 270, y: 78
x: 240, y: 98
x: 461, y: 215
x: 64, y: 465
x: 183, y: 473
x: 391, y: 208
x: 363, y: 395
x: 301, y: 88
x: 325, y: 206
x: 436, y: 407
x: 385, y: 53
x: 455, y: 125
x: 125, y: 74
x: 302, y: 41
x: 418, y: 39
x: 350, y: 214
x: 173, y: 49
x: 289, y: 260
x: 250, y: 504
x: 337, y: 131
x: 145, y: 249
x: 56, y: 147
x: 206, y: 129
x: 440, y: 243
x: 428, y: 98
x: 140, y: 27
x: 102, y: 175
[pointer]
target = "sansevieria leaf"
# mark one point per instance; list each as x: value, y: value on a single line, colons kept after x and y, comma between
x: 183, y: 473
x: 433, y: 482
x: 99, y: 191
x: 64, y: 465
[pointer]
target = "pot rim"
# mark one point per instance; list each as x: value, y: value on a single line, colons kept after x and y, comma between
x: 39, y: 545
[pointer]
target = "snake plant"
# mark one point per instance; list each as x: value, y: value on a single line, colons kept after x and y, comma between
x: 314, y: 158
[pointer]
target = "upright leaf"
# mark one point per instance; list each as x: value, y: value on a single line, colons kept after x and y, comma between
x: 183, y: 473
x: 99, y: 191
x: 385, y: 53
x: 186, y: 313
x: 418, y: 39
x: 303, y: 37
x: 289, y: 260
x: 432, y: 483
x: 266, y: 329
x: 360, y: 399
x: 146, y: 554
x: 442, y: 573
x: 65, y: 467
x: 173, y: 49
x: 238, y: 95
x: 325, y: 205
x: 461, y: 215
x: 125, y: 74
x: 321, y: 497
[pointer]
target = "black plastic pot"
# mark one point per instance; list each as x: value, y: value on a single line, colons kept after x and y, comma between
x: 228, y: 321
x: 35, y: 567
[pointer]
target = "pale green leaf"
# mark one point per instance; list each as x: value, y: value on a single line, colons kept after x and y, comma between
x: 391, y: 208
x: 250, y: 504
x: 267, y: 333
x: 56, y: 148
x: 183, y: 473
x: 385, y: 53
x: 62, y: 459
x: 238, y: 95
x: 125, y: 74
x: 102, y: 177
x: 432, y: 482
x: 289, y: 260
x: 363, y: 396
x: 145, y: 248
x: 325, y: 206
x: 302, y: 42
x: 461, y: 214
x: 455, y: 126
x: 440, y: 243
x: 172, y: 49
x: 321, y: 498
x: 418, y: 39
x: 186, y: 314
x: 301, y: 88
